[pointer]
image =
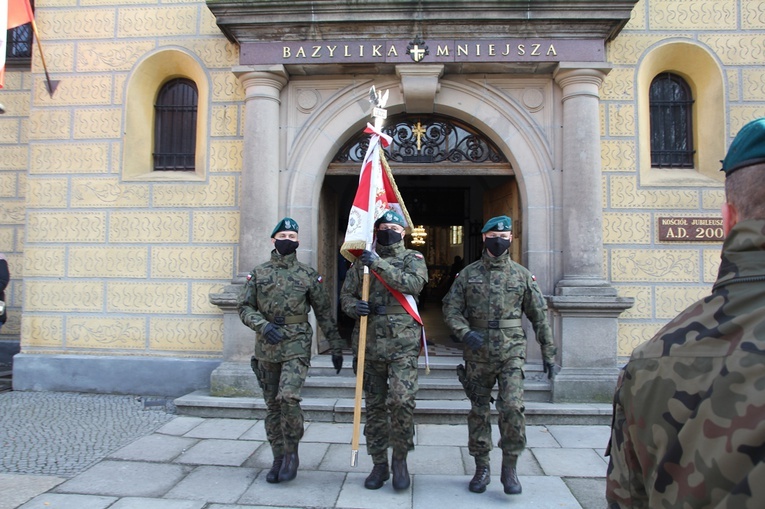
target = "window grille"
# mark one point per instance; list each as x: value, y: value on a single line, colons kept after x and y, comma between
x: 175, y: 126
x: 671, y: 122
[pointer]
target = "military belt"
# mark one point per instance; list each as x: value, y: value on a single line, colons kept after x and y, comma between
x: 496, y: 324
x: 289, y: 320
x: 395, y: 309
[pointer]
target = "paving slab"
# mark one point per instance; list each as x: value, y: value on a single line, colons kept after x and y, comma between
x: 435, y: 459
x: 214, y: 484
x: 219, y: 452
x: 181, y: 425
x: 354, y: 495
x: 571, y: 462
x: 591, y: 493
x: 221, y: 428
x: 15, y: 489
x: 540, y: 436
x: 446, y: 491
x: 59, y: 501
x: 592, y: 437
x: 441, y: 434
x: 321, y: 488
x: 154, y: 503
x: 238, y: 506
x: 155, y: 447
x: 338, y: 459
x: 126, y: 479
x: 329, y: 432
x: 256, y: 432
x: 311, y: 456
x: 527, y: 463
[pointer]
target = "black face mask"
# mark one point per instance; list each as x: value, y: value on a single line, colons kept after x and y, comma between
x: 388, y: 237
x: 496, y: 245
x: 286, y: 246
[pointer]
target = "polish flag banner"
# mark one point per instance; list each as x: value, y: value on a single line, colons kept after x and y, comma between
x: 377, y: 193
x: 13, y: 13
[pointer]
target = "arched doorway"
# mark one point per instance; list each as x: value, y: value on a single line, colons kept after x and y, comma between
x: 452, y: 178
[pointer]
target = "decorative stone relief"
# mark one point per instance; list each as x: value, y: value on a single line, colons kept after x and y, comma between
x: 692, y: 14
x: 63, y: 296
x: 74, y: 24
x: 733, y: 83
x: 643, y: 306
x: 75, y: 91
x: 224, y: 121
x: 621, y: 120
x: 711, y: 261
x: 752, y: 14
x: 12, y: 213
x: 712, y: 199
x: 226, y: 155
x: 147, y: 297
x: 108, y: 192
x: 69, y: 158
x: 49, y: 124
x: 629, y: 47
x: 655, y: 265
x: 40, y: 330
x: 742, y: 115
x: 143, y: 227
x: 59, y: 58
x: 157, y: 21
x: 190, y: 334
x: 47, y: 193
x: 226, y: 87
x: 637, y: 20
x: 216, y: 53
x: 14, y: 157
x: 671, y: 300
x: 631, y: 335
x: 189, y: 262
x: 754, y: 84
x: 220, y: 192
x: 623, y: 228
x: 106, y: 333
x: 116, y: 262
x: 105, y: 56
x: 200, y: 298
x: 618, y: 85
x: 617, y: 155
x: 737, y: 49
x: 43, y: 262
x: 219, y: 227
x: 66, y: 227
x: 624, y: 195
x: 97, y: 123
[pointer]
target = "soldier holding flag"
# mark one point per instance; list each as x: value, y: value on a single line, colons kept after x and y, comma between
x: 392, y: 347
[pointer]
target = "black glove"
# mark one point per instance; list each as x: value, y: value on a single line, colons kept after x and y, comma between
x: 272, y: 333
x: 473, y: 340
x: 337, y: 362
x: 368, y: 257
x: 549, y: 368
x: 355, y: 365
x: 362, y: 307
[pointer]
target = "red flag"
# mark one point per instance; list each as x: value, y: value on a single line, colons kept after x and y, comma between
x: 377, y: 192
x: 13, y: 13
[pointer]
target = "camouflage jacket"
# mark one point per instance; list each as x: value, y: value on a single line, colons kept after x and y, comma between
x: 497, y: 289
x: 388, y: 336
x: 286, y: 287
x: 689, y: 410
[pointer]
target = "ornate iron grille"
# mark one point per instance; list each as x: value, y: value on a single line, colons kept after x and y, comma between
x: 427, y: 139
x: 19, y: 42
x: 671, y: 122
x: 175, y: 126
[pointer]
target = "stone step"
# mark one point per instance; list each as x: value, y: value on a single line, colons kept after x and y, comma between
x: 201, y: 404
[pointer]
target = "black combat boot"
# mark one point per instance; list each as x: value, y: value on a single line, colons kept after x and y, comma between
x: 509, y: 476
x: 273, y: 474
x: 288, y: 471
x: 377, y: 478
x: 481, y: 479
x: 400, y: 472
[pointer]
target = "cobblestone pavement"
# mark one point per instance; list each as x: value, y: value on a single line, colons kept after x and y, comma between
x: 62, y: 434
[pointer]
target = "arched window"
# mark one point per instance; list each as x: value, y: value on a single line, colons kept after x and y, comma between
x: 671, y: 122
x: 175, y: 126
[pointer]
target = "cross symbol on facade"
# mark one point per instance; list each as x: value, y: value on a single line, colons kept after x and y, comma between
x: 418, y: 131
x: 417, y: 53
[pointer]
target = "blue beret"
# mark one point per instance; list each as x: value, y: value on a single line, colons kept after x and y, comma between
x: 498, y: 224
x: 748, y: 147
x: 286, y: 224
x: 391, y: 217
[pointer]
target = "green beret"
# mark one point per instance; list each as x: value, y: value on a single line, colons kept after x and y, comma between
x: 285, y: 225
x: 391, y: 217
x: 498, y: 224
x: 748, y: 147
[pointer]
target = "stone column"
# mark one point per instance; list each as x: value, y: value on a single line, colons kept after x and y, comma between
x: 586, y: 306
x: 259, y: 212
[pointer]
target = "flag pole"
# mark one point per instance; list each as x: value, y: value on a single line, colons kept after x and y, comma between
x: 51, y: 84
x: 379, y: 114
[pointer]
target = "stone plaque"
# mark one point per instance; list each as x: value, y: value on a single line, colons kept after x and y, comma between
x: 691, y: 229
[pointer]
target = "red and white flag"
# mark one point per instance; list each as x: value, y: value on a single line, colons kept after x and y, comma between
x: 377, y: 192
x: 13, y: 13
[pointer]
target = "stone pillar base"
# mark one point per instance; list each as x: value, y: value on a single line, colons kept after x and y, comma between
x: 585, y: 385
x: 234, y: 379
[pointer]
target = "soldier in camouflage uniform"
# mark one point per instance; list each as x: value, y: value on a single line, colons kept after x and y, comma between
x: 484, y: 307
x: 392, y: 348
x: 689, y: 410
x: 275, y: 302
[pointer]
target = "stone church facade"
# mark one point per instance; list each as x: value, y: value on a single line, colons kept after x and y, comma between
x: 125, y: 277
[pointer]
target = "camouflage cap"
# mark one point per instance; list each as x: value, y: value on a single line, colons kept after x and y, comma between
x: 391, y: 216
x: 748, y: 147
x: 498, y: 224
x: 286, y: 224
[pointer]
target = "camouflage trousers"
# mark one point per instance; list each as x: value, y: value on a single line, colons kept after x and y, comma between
x: 281, y: 383
x: 512, y: 423
x: 390, y: 388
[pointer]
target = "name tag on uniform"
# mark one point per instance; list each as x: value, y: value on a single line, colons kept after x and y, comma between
x: 298, y: 285
x: 475, y: 279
